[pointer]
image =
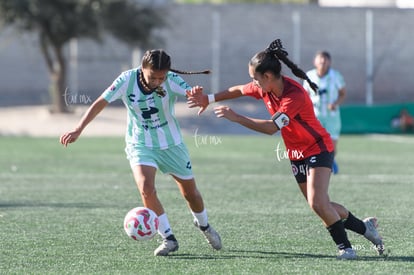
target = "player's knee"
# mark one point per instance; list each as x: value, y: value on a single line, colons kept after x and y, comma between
x: 316, y: 205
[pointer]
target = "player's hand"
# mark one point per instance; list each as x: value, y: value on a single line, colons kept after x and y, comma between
x: 196, y: 98
x: 226, y: 112
x: 69, y: 137
x: 332, y: 107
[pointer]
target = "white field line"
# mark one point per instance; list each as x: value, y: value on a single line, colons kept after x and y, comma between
x: 393, y: 138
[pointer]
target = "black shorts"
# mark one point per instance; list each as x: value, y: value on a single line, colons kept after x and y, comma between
x: 300, y: 168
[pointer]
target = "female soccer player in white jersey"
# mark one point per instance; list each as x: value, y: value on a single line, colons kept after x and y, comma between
x: 153, y: 138
x: 331, y: 94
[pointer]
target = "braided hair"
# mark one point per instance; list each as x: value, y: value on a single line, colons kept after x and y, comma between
x: 158, y: 59
x: 268, y: 60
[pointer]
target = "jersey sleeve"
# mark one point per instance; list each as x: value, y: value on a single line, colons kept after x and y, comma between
x: 177, y: 84
x: 250, y: 89
x: 117, y: 89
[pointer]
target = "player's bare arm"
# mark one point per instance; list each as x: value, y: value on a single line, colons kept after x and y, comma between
x: 198, y: 99
x: 341, y: 98
x: 97, y: 106
x: 259, y: 125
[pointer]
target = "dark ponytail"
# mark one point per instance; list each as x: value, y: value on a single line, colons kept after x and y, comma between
x: 185, y: 72
x: 280, y: 53
x: 159, y: 60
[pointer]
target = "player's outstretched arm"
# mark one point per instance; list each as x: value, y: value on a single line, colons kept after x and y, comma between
x: 97, y: 106
x: 259, y: 125
x: 196, y: 98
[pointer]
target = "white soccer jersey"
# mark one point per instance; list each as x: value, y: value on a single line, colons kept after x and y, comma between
x: 151, y: 120
x: 329, y: 86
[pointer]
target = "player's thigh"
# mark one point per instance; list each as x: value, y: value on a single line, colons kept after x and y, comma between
x: 318, y: 185
x: 144, y: 176
x: 319, y: 173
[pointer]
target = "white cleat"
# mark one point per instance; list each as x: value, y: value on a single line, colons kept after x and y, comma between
x: 347, y: 254
x: 372, y: 234
x: 211, y: 235
x: 166, y: 247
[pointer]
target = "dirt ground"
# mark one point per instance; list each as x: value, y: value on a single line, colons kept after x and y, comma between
x: 37, y: 121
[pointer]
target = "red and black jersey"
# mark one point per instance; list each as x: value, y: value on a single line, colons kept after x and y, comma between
x: 304, y: 136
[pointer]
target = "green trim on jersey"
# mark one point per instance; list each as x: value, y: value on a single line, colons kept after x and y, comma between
x: 151, y: 119
x: 131, y: 112
x: 328, y: 92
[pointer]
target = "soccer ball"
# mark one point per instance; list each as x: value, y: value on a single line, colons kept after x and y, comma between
x: 141, y: 223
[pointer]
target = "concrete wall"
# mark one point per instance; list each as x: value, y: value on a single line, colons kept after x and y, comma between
x: 244, y: 29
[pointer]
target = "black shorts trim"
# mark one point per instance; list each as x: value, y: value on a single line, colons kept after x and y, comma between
x: 300, y: 168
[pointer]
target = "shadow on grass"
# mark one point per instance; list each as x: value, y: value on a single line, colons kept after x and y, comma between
x: 240, y: 254
x: 234, y: 254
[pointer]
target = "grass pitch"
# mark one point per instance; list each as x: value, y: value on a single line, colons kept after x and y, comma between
x: 61, y: 210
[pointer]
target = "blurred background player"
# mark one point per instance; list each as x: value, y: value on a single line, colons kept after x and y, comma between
x: 153, y: 138
x: 406, y: 121
x: 330, y: 95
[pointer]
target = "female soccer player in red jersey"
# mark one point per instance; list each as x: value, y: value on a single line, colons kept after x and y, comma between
x: 292, y: 113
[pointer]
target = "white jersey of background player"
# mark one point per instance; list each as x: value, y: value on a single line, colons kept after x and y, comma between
x: 331, y: 94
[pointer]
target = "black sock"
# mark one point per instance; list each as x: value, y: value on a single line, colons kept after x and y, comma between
x: 204, y: 228
x: 338, y: 234
x: 355, y: 224
x: 171, y: 238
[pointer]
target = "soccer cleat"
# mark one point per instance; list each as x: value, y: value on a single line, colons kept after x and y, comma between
x: 372, y: 234
x: 347, y: 254
x: 211, y: 235
x: 166, y: 247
